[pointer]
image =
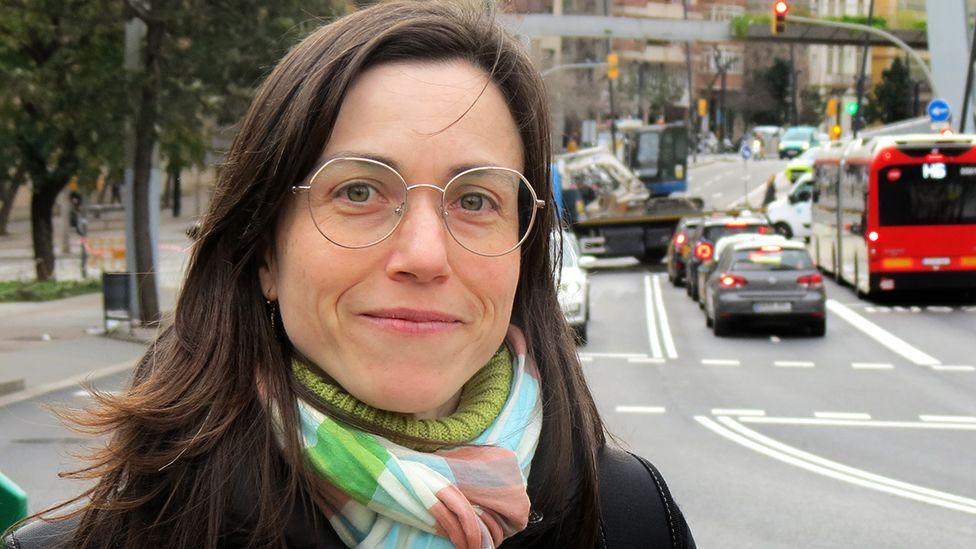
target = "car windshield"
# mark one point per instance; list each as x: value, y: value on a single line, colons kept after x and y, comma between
x: 797, y: 134
x: 716, y: 232
x: 772, y: 258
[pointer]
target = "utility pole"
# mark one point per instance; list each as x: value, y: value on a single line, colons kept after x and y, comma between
x: 858, y: 119
x: 691, y: 95
x: 967, y: 94
x: 794, y: 110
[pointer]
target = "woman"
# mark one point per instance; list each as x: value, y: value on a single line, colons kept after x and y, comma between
x: 368, y: 349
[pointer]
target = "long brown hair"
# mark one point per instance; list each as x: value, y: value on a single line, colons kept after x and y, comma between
x: 194, y: 417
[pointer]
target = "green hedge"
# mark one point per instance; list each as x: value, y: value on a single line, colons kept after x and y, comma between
x: 20, y: 290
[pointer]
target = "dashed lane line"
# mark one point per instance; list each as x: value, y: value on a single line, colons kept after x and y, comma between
x: 871, y: 366
x: 732, y: 430
x: 719, y: 362
x: 947, y: 368
x: 640, y: 409
x: 842, y: 415
x: 793, y: 364
x: 948, y: 419
x: 881, y: 335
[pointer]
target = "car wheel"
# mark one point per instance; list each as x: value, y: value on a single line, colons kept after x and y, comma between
x: 581, y: 334
x: 783, y: 229
x: 720, y: 327
x: 818, y: 328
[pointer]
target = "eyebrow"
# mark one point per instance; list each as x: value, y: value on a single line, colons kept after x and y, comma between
x: 456, y: 169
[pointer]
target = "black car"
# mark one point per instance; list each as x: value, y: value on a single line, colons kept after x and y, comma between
x: 705, y: 237
x: 680, y: 248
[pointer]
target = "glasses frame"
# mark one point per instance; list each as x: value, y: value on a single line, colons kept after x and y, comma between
x: 401, y: 209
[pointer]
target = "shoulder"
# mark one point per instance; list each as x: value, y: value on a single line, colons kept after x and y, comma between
x: 39, y: 534
x: 637, y: 507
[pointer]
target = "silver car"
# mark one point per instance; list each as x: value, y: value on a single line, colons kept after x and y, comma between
x: 769, y: 282
x: 574, y: 284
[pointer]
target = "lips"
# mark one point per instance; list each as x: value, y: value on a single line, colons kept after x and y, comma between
x: 412, y: 321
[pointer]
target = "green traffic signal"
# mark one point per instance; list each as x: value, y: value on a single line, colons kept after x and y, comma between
x: 852, y: 108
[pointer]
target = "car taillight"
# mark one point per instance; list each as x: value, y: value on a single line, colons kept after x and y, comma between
x: 703, y: 251
x: 731, y: 281
x: 810, y: 281
x: 679, y: 239
x: 763, y: 229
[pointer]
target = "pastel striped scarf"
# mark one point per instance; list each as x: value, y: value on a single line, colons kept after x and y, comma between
x: 384, y: 494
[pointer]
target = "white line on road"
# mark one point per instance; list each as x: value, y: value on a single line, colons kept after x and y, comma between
x: 881, y: 335
x: 744, y: 436
x: 719, y: 362
x: 586, y: 359
x: 663, y: 316
x: 842, y: 415
x: 613, y: 355
x: 948, y: 419
x: 651, y: 324
x: 860, y: 423
x: 793, y: 364
x: 737, y: 412
x: 640, y: 409
x: 871, y: 366
x: 946, y: 368
x: 87, y: 377
x: 646, y: 360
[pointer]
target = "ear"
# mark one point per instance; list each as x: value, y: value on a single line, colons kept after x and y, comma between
x: 268, y: 274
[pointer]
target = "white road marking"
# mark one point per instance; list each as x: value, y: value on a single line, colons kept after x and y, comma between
x: 740, y: 434
x: 793, y: 364
x: 948, y: 419
x: 646, y: 360
x: 871, y: 366
x: 719, y: 362
x: 869, y: 309
x: 881, y: 335
x: 651, y: 324
x: 842, y: 415
x: 663, y: 316
x: 945, y: 368
x: 613, y: 355
x: 737, y: 412
x: 32, y: 392
x: 640, y: 409
x: 586, y: 359
x: 861, y: 423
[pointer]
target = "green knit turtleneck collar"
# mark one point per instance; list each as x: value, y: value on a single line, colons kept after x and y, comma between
x: 482, y: 399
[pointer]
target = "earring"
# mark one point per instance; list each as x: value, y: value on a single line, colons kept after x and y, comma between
x: 271, y: 308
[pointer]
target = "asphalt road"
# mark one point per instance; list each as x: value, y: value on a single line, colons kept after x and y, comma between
x: 768, y: 438
x: 723, y: 183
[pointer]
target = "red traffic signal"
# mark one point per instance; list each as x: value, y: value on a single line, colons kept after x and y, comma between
x: 778, y: 21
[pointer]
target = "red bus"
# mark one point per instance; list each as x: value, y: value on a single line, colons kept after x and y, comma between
x: 897, y: 213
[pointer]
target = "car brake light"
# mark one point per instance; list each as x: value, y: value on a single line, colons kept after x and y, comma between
x: 810, y: 281
x: 679, y: 239
x: 703, y: 251
x: 763, y: 229
x: 731, y: 281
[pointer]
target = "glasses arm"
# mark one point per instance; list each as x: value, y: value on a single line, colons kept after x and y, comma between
x: 295, y: 189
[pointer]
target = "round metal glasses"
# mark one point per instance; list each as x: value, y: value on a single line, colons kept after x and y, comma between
x: 359, y: 202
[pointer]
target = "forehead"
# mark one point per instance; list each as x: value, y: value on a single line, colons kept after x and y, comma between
x: 426, y: 119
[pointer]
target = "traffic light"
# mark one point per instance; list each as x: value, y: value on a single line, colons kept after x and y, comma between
x: 852, y: 108
x: 835, y: 132
x: 832, y: 107
x: 703, y: 108
x: 778, y: 20
x: 613, y: 66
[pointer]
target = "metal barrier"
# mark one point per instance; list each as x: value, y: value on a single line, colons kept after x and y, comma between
x: 13, y: 503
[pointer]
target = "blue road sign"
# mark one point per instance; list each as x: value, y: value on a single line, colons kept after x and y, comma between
x: 745, y: 151
x: 938, y: 110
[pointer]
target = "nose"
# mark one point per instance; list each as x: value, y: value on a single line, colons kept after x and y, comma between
x: 420, y: 243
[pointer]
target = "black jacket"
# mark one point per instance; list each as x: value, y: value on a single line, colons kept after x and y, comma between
x: 638, y: 512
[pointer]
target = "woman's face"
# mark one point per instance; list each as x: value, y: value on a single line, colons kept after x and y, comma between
x: 403, y: 324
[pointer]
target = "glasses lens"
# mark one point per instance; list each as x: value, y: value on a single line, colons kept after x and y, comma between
x: 356, y: 202
x: 489, y: 210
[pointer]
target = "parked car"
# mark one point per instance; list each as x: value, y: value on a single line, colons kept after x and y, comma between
x: 762, y: 281
x: 705, y: 236
x: 801, y: 164
x: 573, y: 284
x: 722, y: 246
x: 798, y: 140
x: 790, y: 216
x: 679, y: 249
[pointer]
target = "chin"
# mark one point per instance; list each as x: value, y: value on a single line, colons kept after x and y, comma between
x: 413, y: 396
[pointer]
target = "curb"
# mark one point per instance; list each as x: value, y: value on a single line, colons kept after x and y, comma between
x: 72, y: 381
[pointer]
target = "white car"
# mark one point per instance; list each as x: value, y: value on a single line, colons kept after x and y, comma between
x: 574, y: 284
x: 790, y: 216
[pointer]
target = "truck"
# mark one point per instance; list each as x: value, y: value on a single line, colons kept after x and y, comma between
x: 656, y: 153
x: 612, y: 211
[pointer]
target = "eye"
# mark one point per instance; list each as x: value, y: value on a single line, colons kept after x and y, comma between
x: 357, y: 192
x: 473, y: 202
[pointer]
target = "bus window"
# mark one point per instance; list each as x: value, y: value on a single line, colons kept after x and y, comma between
x: 648, y: 149
x: 667, y: 149
x: 927, y: 194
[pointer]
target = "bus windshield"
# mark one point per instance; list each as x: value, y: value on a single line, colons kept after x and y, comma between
x: 927, y: 194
